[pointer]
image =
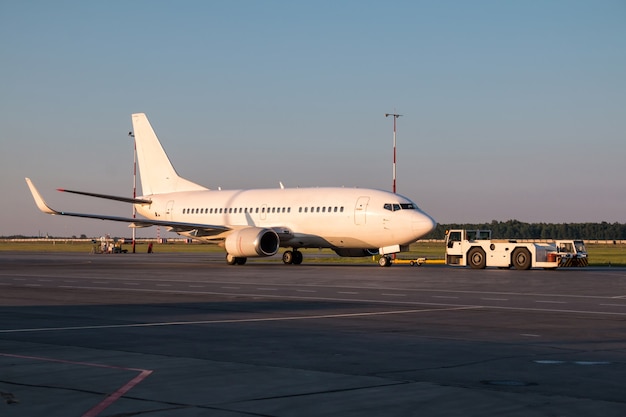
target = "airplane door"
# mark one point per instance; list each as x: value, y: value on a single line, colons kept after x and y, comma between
x: 169, y: 210
x: 360, y: 210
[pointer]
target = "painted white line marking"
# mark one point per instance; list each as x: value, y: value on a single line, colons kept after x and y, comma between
x: 588, y: 363
x: 346, y: 292
x: 131, y: 283
x: 530, y: 335
x: 614, y: 305
x: 306, y: 291
x: 400, y: 302
x: 231, y: 288
x: 196, y: 286
x: 394, y: 295
x: 445, y: 296
x: 255, y: 320
x: 550, y: 302
x: 495, y: 299
x: 164, y: 285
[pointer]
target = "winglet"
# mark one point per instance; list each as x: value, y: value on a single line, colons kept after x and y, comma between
x: 39, y: 199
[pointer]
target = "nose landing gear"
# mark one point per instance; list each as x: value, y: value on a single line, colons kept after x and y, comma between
x: 384, y: 260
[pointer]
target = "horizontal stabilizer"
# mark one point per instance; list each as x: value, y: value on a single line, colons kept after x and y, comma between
x: 108, y: 197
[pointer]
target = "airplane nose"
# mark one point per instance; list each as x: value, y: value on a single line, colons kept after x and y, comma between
x: 424, y: 224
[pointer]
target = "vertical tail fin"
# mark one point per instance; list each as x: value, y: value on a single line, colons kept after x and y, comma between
x: 155, y: 169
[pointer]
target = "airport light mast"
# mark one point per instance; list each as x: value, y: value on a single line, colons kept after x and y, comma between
x: 132, y: 135
x: 395, y: 117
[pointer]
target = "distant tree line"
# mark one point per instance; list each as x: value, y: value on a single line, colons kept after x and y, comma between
x: 515, y: 229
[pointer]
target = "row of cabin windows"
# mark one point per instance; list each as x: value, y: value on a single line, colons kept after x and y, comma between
x: 236, y: 210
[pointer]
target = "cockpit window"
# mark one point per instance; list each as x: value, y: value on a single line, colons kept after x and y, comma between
x: 401, y: 206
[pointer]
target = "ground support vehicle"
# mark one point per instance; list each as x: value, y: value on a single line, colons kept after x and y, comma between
x: 476, y: 249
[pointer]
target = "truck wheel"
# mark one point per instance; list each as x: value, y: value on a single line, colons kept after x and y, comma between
x: 521, y: 258
x: 476, y: 258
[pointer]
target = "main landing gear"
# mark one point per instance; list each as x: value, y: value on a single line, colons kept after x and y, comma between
x: 235, y: 260
x: 292, y: 257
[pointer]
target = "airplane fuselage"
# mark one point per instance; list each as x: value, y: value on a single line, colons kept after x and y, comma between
x: 302, y: 217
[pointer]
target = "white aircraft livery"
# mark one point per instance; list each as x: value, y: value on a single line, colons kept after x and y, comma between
x: 257, y: 222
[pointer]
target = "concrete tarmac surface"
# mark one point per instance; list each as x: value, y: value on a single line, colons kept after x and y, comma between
x: 184, y: 335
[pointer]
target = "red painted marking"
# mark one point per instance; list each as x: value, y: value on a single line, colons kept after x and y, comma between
x: 95, y: 411
x: 117, y: 394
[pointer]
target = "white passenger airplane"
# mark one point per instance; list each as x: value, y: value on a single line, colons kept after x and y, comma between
x: 256, y: 223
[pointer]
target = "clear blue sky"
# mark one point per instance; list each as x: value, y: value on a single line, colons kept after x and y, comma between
x: 512, y: 109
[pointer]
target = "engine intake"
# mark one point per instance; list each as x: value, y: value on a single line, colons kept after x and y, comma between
x: 251, y: 242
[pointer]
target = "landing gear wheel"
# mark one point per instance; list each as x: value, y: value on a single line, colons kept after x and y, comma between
x: 476, y: 258
x: 292, y: 257
x: 521, y: 258
x: 384, y: 261
x: 288, y: 257
x: 235, y: 260
x: 297, y: 257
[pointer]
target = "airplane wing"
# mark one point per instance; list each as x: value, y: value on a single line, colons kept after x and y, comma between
x: 197, y: 229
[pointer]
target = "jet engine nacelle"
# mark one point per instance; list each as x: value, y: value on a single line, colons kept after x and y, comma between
x: 252, y: 241
x: 355, y: 252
